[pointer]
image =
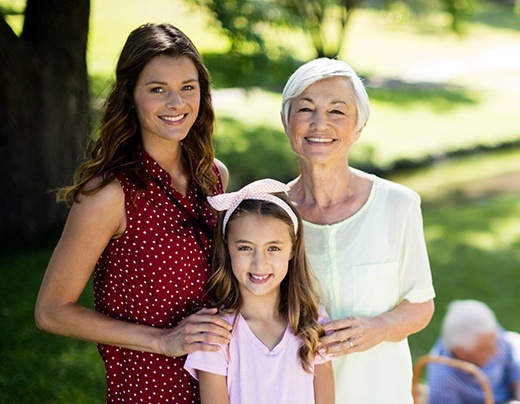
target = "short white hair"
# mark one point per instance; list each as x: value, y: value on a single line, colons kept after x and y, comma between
x: 319, y: 69
x: 465, y: 321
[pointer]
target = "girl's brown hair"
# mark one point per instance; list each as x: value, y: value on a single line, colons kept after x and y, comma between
x: 119, y: 144
x: 299, y: 296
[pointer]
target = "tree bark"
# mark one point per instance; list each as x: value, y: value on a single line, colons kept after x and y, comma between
x: 44, y: 112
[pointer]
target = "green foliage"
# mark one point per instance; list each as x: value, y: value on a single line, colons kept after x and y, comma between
x: 248, y: 22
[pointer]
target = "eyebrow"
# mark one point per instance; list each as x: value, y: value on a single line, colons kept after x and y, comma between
x: 332, y: 102
x: 165, y: 83
x: 250, y: 242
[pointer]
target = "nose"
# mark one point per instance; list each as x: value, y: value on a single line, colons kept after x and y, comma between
x: 174, y: 100
x: 259, y: 259
x: 319, y: 120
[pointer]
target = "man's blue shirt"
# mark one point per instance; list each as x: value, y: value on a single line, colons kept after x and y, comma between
x: 453, y: 386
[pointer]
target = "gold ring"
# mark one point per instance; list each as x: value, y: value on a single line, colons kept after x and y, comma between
x: 351, y: 344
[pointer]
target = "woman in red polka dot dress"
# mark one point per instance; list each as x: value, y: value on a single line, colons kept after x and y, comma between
x: 140, y: 223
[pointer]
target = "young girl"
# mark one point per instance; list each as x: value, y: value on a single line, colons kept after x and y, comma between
x: 265, y: 288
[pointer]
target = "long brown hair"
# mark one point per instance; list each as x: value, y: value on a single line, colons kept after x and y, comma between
x: 118, y: 147
x: 299, y: 295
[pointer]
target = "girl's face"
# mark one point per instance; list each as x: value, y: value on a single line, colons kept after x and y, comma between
x: 260, y: 248
x: 322, y: 121
x: 167, y: 99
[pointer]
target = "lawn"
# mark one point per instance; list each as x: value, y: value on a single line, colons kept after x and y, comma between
x: 432, y: 92
x: 470, y: 258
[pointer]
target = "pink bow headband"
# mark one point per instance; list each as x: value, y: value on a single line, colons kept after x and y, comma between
x: 258, y: 190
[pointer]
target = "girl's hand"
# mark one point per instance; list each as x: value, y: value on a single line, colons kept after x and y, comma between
x: 352, y: 334
x: 202, y: 331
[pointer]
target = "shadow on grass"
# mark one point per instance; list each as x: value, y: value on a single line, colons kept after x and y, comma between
x: 497, y: 15
x: 254, y: 153
x: 37, y: 367
x: 440, y: 97
x: 247, y: 71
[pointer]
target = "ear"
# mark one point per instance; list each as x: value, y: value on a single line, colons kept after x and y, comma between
x: 459, y: 353
x: 357, y: 134
x: 283, y: 122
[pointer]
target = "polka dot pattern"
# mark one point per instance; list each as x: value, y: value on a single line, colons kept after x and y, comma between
x: 153, y: 274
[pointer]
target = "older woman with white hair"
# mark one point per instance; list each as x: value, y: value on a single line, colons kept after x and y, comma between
x: 471, y: 332
x: 364, y: 237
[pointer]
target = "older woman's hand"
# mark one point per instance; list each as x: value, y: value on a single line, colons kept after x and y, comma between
x: 202, y: 331
x: 352, y: 334
x: 358, y: 334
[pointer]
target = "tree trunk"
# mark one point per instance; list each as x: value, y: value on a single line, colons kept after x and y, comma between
x: 44, y: 112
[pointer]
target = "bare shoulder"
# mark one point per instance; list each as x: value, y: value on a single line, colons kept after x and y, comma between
x: 105, y: 207
x: 223, y: 171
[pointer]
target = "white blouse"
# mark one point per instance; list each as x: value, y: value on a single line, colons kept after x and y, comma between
x: 368, y: 264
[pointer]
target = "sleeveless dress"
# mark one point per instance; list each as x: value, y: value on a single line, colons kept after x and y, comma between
x: 154, y: 274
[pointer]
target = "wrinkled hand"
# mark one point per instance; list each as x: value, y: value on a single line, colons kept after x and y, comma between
x: 202, y: 331
x: 352, y: 334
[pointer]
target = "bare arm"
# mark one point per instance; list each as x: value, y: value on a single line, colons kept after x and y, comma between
x: 366, y: 332
x: 224, y: 173
x: 324, y: 383
x: 213, y: 388
x: 90, y: 226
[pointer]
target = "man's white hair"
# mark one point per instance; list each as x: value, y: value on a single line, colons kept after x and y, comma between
x: 319, y: 69
x: 465, y: 321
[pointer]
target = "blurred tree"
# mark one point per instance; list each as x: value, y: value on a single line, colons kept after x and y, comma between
x: 325, y: 21
x: 44, y: 113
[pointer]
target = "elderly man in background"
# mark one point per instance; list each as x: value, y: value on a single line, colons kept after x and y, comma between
x: 470, y: 332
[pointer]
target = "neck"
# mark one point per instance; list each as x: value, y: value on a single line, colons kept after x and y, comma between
x: 260, y: 307
x: 323, y: 186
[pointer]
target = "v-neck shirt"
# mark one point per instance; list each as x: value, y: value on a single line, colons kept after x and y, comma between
x: 256, y: 374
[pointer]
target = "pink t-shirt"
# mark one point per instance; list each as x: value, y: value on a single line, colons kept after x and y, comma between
x: 256, y: 374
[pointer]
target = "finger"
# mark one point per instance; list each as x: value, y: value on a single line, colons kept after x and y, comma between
x: 337, y: 324
x: 209, y: 316
x: 339, y: 349
x: 336, y: 337
x: 197, y: 346
x: 207, y: 310
x: 206, y: 338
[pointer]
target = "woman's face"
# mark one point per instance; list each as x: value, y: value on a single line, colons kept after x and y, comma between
x: 167, y: 99
x: 322, y: 121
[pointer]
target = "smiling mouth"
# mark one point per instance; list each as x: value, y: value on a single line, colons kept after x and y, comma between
x: 258, y: 279
x: 173, y: 118
x: 320, y: 139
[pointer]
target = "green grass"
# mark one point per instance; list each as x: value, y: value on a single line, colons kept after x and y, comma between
x: 37, y: 367
x: 474, y: 251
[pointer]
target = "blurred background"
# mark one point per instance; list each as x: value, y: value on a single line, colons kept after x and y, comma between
x: 443, y: 77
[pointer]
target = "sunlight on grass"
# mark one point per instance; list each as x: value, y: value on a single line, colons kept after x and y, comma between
x: 455, y: 173
x: 112, y: 21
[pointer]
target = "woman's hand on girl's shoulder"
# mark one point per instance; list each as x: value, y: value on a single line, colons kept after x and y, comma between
x: 202, y: 331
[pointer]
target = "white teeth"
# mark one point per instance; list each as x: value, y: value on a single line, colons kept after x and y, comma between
x: 259, y: 278
x: 173, y: 118
x: 319, y: 140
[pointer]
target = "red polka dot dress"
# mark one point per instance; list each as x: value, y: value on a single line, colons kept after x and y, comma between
x: 154, y: 274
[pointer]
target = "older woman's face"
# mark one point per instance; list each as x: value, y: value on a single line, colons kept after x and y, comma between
x: 322, y: 121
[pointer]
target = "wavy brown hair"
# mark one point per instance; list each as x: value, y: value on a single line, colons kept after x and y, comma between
x: 118, y: 146
x: 299, y: 295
